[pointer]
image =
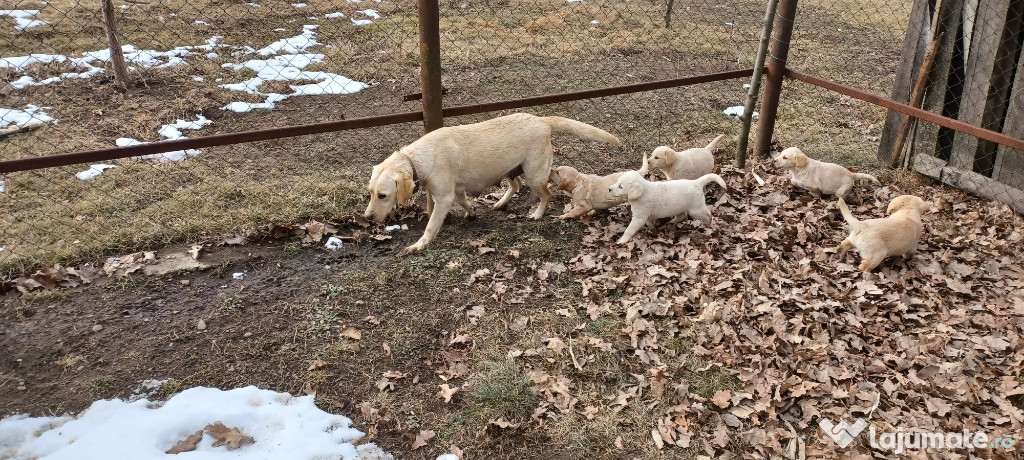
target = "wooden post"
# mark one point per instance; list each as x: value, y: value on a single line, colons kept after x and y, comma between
x: 784, y: 18
x: 943, y: 73
x: 913, y: 54
x: 975, y: 107
x: 430, y: 64
x: 668, y: 13
x: 755, y: 84
x: 114, y: 42
x: 1009, y: 168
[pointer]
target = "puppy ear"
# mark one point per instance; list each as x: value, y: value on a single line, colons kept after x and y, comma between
x: 670, y: 158
x: 405, y: 187
x: 633, y: 190
x: 570, y: 179
x: 800, y: 159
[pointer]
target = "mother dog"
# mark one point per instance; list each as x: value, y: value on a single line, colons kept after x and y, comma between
x: 453, y: 161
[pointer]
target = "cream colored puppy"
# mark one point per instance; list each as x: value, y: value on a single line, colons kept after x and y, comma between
x: 895, y: 235
x: 649, y: 201
x: 589, y: 191
x: 818, y: 176
x: 453, y: 161
x: 687, y: 164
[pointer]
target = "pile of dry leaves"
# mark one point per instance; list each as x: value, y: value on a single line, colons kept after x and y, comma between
x: 933, y: 344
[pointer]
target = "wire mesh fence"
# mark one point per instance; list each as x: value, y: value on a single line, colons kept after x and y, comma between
x: 205, y: 67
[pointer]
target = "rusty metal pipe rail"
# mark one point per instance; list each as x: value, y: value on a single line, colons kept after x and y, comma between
x: 908, y: 109
x: 91, y: 156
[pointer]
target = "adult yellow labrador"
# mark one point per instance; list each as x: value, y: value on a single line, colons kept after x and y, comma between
x: 453, y: 161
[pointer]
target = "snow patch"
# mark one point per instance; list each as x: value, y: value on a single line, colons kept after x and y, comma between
x: 282, y: 425
x: 334, y: 243
x: 362, y: 22
x: 736, y: 111
x: 23, y: 18
x: 334, y: 15
x: 32, y: 115
x: 293, y: 45
x: 94, y: 171
x: 372, y: 14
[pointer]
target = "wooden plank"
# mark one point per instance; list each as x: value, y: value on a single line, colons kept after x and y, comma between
x: 913, y: 53
x: 1009, y: 167
x: 950, y: 21
x: 985, y: 187
x: 985, y: 44
x: 1002, y: 83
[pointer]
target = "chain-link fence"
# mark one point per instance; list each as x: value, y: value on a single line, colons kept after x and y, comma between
x: 198, y: 68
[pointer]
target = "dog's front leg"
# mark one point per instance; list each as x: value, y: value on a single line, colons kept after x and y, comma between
x: 430, y: 203
x: 578, y: 210
x: 464, y: 202
x: 442, y: 204
x: 634, y: 226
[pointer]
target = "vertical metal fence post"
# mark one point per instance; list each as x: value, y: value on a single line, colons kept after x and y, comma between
x: 430, y: 63
x: 784, y: 18
x: 755, y: 84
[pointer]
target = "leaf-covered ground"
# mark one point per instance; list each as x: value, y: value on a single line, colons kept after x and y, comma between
x: 517, y: 339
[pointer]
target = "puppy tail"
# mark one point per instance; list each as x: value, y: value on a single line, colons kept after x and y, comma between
x: 709, y: 178
x: 843, y: 208
x: 581, y: 129
x: 867, y: 177
x: 714, y: 144
x: 645, y: 167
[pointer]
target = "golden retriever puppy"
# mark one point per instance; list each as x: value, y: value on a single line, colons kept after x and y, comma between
x: 818, y: 176
x: 453, y: 161
x: 895, y: 235
x: 649, y: 201
x: 589, y: 191
x: 687, y: 164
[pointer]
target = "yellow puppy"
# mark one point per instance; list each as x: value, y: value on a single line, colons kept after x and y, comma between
x: 687, y: 164
x: 589, y: 191
x: 818, y: 176
x: 895, y: 235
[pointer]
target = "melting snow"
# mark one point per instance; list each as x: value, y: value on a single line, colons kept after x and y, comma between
x: 31, y: 116
x: 23, y: 18
x: 737, y: 111
x: 282, y: 425
x: 362, y: 22
x: 373, y: 14
x: 298, y: 5
x: 334, y: 15
x: 93, y: 171
x: 292, y: 45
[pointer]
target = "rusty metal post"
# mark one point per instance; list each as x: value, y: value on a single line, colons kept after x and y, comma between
x: 755, y: 84
x: 430, y: 63
x: 784, y: 19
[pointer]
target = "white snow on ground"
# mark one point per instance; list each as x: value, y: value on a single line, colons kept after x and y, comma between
x: 293, y: 45
x: 169, y: 132
x: 298, y: 5
x: 334, y: 15
x: 94, y: 171
x: 737, y: 111
x: 23, y: 18
x: 362, y: 22
x: 31, y: 116
x: 372, y: 14
x: 3, y: 189
x: 283, y: 426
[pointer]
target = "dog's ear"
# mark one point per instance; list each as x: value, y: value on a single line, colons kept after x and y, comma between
x: 570, y: 179
x: 405, y: 187
x: 670, y: 157
x: 633, y: 188
x: 800, y: 159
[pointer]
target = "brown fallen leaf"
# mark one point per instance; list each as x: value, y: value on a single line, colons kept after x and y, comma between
x: 186, y: 445
x: 351, y: 333
x: 231, y: 437
x: 316, y: 364
x: 423, y: 438
x: 447, y: 392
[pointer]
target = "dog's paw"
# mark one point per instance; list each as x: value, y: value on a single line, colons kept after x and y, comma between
x: 418, y: 247
x: 622, y: 240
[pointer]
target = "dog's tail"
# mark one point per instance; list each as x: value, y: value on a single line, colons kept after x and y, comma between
x: 843, y: 208
x: 867, y: 177
x: 645, y: 167
x: 714, y: 144
x: 581, y: 129
x: 709, y: 178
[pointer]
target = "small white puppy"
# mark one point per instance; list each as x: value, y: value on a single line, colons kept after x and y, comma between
x: 649, y: 201
x: 818, y: 176
x: 895, y: 235
x: 687, y: 164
